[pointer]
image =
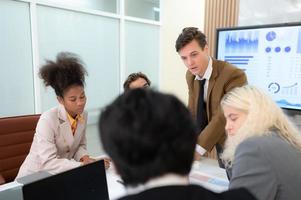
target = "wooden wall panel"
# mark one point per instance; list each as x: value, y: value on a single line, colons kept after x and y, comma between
x: 218, y: 14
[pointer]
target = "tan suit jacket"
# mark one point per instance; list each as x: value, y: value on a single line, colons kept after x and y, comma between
x: 224, y: 77
x: 54, y: 148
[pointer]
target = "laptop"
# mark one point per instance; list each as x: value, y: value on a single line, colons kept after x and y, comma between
x: 87, y: 182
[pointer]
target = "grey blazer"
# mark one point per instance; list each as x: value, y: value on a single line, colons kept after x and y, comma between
x: 269, y: 167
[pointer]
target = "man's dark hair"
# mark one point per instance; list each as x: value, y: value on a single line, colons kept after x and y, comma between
x: 66, y: 71
x: 133, y: 77
x: 148, y: 134
x: 189, y: 34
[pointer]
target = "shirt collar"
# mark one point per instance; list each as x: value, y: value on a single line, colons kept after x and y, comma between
x: 166, y: 180
x: 207, y: 73
x: 79, y: 118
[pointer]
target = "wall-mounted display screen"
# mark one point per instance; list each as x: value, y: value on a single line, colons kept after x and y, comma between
x: 270, y: 55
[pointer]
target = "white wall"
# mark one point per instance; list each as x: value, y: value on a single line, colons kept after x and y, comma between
x: 175, y: 15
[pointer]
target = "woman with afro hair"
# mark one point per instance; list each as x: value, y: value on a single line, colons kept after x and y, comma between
x: 59, y: 143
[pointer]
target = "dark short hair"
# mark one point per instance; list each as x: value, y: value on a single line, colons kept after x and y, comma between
x: 133, y: 77
x: 148, y: 134
x: 189, y: 34
x: 66, y: 71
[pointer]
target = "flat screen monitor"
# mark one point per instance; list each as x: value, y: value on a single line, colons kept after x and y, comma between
x: 83, y: 183
x: 270, y: 55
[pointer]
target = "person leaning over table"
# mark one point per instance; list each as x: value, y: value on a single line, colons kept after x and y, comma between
x: 263, y: 148
x: 152, y: 149
x: 59, y: 143
x: 208, y: 80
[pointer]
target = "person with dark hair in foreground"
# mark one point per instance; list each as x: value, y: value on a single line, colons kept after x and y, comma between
x: 59, y: 143
x: 151, y: 138
x: 136, y: 80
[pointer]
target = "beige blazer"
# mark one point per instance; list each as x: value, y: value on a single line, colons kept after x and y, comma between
x: 54, y: 148
x: 224, y: 77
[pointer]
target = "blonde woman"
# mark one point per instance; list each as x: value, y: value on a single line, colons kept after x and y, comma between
x: 263, y: 148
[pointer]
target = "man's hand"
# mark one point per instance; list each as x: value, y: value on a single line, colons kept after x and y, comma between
x: 86, y: 160
x: 197, y: 156
x: 107, y: 162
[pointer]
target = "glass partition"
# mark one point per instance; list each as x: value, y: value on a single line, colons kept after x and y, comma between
x: 142, y: 50
x: 102, y: 5
x: 16, y: 83
x: 93, y: 38
x: 147, y: 9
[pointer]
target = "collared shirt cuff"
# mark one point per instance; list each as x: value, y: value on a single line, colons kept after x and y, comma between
x: 200, y: 149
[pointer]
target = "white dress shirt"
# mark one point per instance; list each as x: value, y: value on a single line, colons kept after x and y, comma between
x: 206, y: 76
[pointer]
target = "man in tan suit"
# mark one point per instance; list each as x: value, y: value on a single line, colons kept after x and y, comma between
x: 208, y: 80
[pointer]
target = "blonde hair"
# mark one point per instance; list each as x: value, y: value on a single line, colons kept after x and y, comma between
x: 264, y: 117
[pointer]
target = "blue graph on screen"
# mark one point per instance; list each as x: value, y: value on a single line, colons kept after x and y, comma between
x: 299, y: 42
x: 241, y: 61
x: 246, y: 41
x: 274, y: 87
x: 269, y: 55
x: 270, y: 36
x: 289, y: 90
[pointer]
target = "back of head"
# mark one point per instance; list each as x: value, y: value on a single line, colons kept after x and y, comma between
x: 148, y: 134
x: 133, y: 77
x: 66, y: 71
x: 189, y: 34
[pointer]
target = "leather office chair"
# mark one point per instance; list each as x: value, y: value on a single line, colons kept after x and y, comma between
x: 16, y: 135
x: 2, y: 180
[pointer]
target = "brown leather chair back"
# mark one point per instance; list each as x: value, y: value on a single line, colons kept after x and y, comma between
x: 16, y: 135
x: 2, y: 181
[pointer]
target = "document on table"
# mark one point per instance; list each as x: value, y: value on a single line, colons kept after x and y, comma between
x: 207, y: 174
